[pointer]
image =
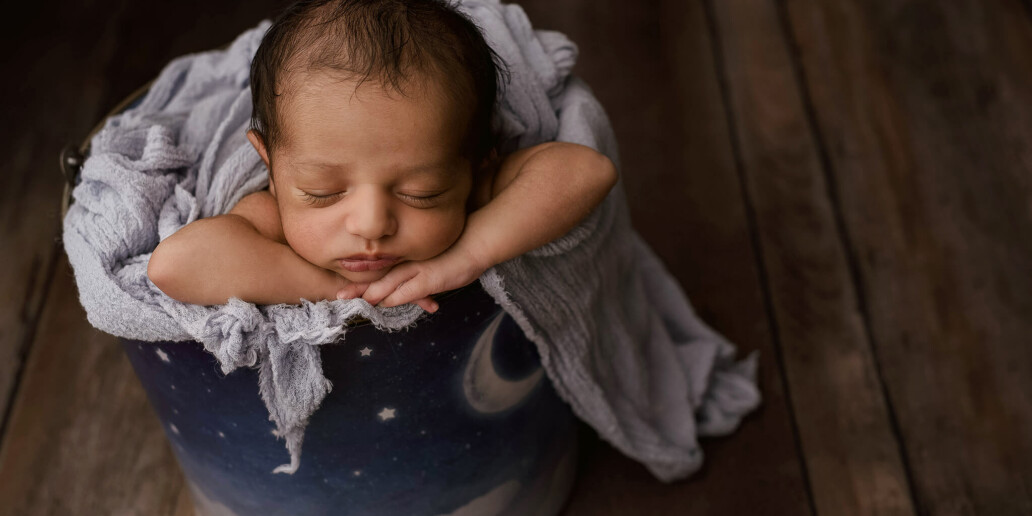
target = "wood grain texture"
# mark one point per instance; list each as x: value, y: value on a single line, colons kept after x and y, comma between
x: 651, y: 66
x: 41, y: 114
x: 852, y: 455
x: 923, y: 108
x: 83, y: 438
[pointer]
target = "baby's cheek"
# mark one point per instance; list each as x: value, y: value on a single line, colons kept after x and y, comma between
x: 302, y: 236
x: 440, y: 231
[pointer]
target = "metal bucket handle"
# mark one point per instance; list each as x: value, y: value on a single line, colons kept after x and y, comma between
x: 72, y: 156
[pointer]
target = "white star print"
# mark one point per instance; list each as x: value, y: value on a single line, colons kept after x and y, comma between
x: 222, y: 435
x: 162, y: 354
x: 358, y: 473
x: 365, y: 351
x: 174, y: 429
x: 386, y: 413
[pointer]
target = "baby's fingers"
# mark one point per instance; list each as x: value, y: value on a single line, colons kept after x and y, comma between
x: 427, y: 303
x: 352, y: 290
x: 381, y: 288
x: 414, y: 290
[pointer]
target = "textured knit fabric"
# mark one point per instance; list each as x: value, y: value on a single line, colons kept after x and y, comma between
x: 616, y: 335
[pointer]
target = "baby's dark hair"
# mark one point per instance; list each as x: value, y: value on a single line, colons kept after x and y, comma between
x: 387, y: 40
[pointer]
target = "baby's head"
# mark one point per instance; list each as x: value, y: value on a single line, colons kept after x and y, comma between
x: 374, y: 119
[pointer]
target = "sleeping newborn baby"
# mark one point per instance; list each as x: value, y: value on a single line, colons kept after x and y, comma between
x: 374, y: 120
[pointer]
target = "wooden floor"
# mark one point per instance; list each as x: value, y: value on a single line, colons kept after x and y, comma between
x: 844, y: 185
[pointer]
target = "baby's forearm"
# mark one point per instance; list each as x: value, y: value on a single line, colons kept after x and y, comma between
x: 554, y: 188
x: 211, y: 260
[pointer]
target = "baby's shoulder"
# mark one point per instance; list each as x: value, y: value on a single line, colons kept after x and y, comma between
x: 260, y: 209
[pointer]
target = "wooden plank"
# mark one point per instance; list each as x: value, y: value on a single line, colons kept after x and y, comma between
x: 852, y: 455
x: 925, y: 111
x: 151, y: 35
x: 75, y: 62
x: 67, y: 449
x: 651, y: 65
x: 82, y: 437
x: 54, y: 101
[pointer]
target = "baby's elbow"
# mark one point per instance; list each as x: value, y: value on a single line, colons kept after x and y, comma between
x: 603, y: 174
x: 608, y: 175
x: 161, y: 269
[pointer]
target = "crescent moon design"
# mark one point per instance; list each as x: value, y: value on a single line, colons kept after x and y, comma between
x: 487, y: 392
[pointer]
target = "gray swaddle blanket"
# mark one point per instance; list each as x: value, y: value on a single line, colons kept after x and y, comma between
x: 616, y: 334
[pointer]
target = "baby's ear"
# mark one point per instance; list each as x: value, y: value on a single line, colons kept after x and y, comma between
x: 259, y: 145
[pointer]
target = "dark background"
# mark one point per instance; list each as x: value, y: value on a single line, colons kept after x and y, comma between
x: 843, y: 185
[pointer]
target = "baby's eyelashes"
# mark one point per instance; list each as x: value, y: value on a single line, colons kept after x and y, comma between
x: 415, y: 200
x: 320, y: 199
x: 420, y: 201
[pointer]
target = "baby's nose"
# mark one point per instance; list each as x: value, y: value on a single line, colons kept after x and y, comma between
x: 369, y: 214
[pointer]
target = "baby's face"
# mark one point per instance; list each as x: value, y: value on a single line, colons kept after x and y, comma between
x: 365, y: 180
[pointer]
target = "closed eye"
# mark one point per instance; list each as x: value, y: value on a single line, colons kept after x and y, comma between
x: 421, y: 200
x: 418, y: 201
x: 320, y: 200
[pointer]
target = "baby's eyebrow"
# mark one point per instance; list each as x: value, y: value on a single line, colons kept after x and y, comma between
x: 323, y: 167
x: 441, y: 166
x: 317, y: 163
x: 317, y: 166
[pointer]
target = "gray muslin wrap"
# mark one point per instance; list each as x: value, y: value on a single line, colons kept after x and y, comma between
x: 616, y: 334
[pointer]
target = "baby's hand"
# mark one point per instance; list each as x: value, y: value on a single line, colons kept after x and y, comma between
x: 414, y: 282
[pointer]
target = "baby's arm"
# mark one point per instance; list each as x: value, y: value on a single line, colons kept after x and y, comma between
x: 539, y: 194
x: 241, y: 254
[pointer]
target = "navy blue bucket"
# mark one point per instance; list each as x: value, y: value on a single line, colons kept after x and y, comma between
x: 452, y: 417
